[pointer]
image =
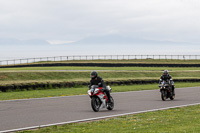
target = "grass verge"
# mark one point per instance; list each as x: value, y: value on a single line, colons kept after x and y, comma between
x: 80, y: 91
x: 99, y: 68
x: 175, y: 120
x: 163, y: 61
x: 65, y: 76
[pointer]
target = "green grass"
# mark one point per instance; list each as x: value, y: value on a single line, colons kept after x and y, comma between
x: 80, y: 91
x: 67, y: 76
x: 163, y: 61
x: 100, y: 68
x: 177, y: 120
x: 31, y: 74
x: 26, y: 77
x: 136, y: 61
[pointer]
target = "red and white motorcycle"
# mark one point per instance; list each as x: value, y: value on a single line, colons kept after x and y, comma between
x: 99, y: 99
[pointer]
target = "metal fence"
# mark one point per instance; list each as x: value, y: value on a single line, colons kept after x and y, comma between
x: 98, y: 57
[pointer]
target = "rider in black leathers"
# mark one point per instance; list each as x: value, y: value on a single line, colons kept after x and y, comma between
x: 167, y: 77
x: 96, y: 80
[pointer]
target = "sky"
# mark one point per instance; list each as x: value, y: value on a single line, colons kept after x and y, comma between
x: 68, y: 21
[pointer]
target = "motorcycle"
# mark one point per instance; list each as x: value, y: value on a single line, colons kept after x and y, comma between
x: 166, y: 90
x: 99, y: 99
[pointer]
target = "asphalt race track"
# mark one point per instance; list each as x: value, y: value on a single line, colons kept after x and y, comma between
x: 32, y: 113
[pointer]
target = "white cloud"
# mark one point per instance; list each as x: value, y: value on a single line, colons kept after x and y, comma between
x: 57, y: 42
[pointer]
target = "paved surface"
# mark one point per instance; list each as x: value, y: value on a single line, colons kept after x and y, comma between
x: 35, y: 112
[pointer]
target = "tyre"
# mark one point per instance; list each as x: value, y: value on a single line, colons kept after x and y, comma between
x: 173, y: 96
x: 163, y: 95
x: 110, y: 106
x: 95, y: 103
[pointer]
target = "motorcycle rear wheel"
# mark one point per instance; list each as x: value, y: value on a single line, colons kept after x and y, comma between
x: 173, y: 96
x: 110, y: 106
x: 96, y: 104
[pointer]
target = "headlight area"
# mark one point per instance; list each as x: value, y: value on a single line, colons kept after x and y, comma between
x: 96, y: 91
x: 89, y: 92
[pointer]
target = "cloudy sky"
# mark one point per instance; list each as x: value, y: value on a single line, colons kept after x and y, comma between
x: 61, y: 21
x: 77, y: 22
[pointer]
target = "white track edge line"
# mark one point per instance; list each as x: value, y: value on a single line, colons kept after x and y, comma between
x: 96, y: 118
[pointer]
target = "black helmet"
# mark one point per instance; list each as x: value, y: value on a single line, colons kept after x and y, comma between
x: 165, y: 72
x: 94, y: 74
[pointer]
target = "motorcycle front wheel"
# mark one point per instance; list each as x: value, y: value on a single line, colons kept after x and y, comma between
x: 96, y: 104
x: 163, y: 95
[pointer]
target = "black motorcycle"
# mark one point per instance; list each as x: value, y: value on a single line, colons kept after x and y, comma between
x: 166, y: 90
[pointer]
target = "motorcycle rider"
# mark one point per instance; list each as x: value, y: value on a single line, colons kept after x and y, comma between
x: 167, y: 77
x: 96, y: 80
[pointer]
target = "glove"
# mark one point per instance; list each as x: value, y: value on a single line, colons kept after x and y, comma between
x: 89, y: 87
x: 99, y: 84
